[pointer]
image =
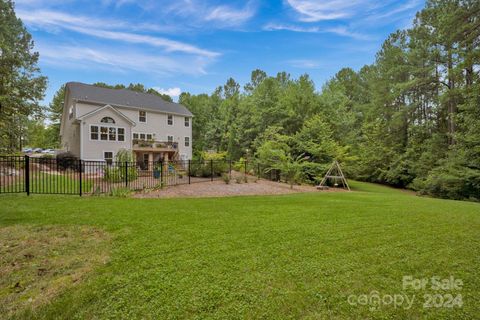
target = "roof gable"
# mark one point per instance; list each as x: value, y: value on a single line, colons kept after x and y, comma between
x: 91, y: 113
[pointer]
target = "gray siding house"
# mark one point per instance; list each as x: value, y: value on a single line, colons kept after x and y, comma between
x: 98, y: 122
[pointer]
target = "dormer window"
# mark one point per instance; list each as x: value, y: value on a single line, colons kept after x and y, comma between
x: 107, y: 120
x: 170, y: 120
x: 142, y: 116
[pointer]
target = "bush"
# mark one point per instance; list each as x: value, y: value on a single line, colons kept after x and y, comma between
x: 204, y: 168
x: 117, y: 174
x: 120, y: 192
x: 66, y: 160
x: 452, y: 182
x: 226, y: 178
x: 239, y: 165
x: 46, y: 159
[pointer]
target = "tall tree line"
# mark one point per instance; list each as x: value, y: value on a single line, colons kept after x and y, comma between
x: 21, y: 84
x: 411, y: 119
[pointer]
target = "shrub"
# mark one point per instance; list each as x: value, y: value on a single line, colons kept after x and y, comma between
x: 226, y: 178
x: 238, y: 180
x: 452, y: 182
x: 205, y: 168
x: 117, y: 174
x: 124, y: 155
x: 239, y: 165
x: 66, y: 160
x: 120, y: 192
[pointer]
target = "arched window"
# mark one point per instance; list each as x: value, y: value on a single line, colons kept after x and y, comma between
x: 107, y: 120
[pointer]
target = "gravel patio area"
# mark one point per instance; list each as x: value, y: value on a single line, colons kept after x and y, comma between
x: 221, y: 189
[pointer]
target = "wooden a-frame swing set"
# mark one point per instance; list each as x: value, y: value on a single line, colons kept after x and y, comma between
x: 335, y: 173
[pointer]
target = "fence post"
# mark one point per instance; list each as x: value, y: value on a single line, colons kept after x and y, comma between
x: 189, y: 172
x: 211, y: 169
x: 161, y: 173
x: 126, y: 174
x: 27, y: 175
x: 80, y: 169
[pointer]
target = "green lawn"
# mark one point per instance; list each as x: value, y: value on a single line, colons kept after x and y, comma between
x: 49, y: 183
x: 275, y: 257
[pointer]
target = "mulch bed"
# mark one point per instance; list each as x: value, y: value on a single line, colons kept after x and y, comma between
x: 221, y: 189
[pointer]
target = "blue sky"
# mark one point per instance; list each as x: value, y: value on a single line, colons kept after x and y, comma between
x: 196, y: 45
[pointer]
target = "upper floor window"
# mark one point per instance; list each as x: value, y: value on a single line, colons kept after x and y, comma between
x: 142, y: 116
x: 187, y: 122
x: 94, y: 133
x: 187, y: 141
x: 107, y: 120
x: 170, y: 120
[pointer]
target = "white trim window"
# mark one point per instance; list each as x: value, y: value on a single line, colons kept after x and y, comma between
x: 142, y: 116
x: 107, y: 120
x: 187, y: 141
x: 112, y: 134
x: 170, y: 119
x: 187, y: 122
x: 104, y: 133
x: 170, y: 139
x: 108, y: 157
x: 93, y: 132
x: 143, y: 136
x: 107, y: 133
x: 121, y: 134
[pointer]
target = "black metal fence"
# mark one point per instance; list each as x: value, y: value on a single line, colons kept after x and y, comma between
x: 40, y: 175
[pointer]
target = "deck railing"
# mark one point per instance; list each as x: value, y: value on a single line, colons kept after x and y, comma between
x: 155, y: 144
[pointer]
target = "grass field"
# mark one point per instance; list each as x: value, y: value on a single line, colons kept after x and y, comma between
x: 48, y: 183
x: 270, y: 257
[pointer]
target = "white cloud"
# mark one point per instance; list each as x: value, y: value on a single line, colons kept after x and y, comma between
x: 114, y: 60
x: 168, y: 45
x: 316, y: 10
x: 313, y: 10
x: 341, y: 30
x: 199, y: 12
x: 344, y: 31
x: 95, y: 27
x: 397, y: 12
x: 304, y: 64
x: 289, y: 27
x: 231, y: 16
x: 172, y: 92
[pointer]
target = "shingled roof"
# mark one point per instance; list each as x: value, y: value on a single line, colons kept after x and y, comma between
x: 124, y: 97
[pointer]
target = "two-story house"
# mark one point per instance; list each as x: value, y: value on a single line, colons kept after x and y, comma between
x: 97, y: 122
